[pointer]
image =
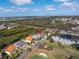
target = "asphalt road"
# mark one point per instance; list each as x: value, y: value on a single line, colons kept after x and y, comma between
x: 24, y: 54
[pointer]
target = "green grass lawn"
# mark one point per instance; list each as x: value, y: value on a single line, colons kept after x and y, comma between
x: 62, y: 52
x: 0, y: 50
x: 7, y: 32
x: 12, y: 38
x: 39, y: 57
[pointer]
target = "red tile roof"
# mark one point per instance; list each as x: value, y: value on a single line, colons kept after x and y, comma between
x: 39, y: 30
x: 30, y: 38
x: 10, y: 48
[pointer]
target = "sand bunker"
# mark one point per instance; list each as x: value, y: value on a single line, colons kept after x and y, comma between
x: 42, y: 54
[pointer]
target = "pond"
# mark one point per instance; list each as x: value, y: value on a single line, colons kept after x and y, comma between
x: 69, y: 37
x: 1, y: 36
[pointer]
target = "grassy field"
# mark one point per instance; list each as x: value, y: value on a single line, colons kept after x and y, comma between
x: 38, y: 57
x: 15, y: 37
x: 8, y: 32
x: 56, y: 53
x: 0, y: 50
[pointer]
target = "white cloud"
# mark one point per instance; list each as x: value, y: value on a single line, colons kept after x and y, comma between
x: 21, y: 2
x: 8, y: 10
x: 68, y: 4
x: 72, y: 5
x: 19, y: 9
x: 1, y: 8
x: 50, y: 8
x: 35, y: 9
x: 62, y: 0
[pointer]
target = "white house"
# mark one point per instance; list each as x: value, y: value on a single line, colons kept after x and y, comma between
x: 0, y: 56
x: 29, y: 39
x: 2, y: 26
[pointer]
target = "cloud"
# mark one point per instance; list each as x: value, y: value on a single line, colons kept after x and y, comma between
x: 19, y: 9
x: 8, y: 10
x: 71, y: 5
x: 62, y: 0
x: 50, y: 8
x: 21, y: 2
x: 1, y: 8
x: 67, y: 4
x: 35, y: 9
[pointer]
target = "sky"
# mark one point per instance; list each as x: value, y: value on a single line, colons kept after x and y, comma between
x: 39, y: 8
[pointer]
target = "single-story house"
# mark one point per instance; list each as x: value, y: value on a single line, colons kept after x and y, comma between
x: 29, y: 39
x: 40, y: 32
x: 11, y: 49
x: 2, y: 26
x: 36, y: 37
x: 0, y: 56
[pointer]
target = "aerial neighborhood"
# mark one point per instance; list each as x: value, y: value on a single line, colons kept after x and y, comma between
x: 21, y: 39
x: 39, y: 29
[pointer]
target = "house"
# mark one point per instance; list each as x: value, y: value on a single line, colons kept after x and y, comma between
x: 40, y: 35
x: 11, y: 49
x: 29, y: 39
x: 12, y: 25
x: 40, y: 32
x: 0, y: 56
x: 2, y: 26
x: 21, y: 45
x: 36, y: 37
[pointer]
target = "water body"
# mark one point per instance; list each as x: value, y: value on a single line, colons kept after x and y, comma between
x: 1, y: 36
x: 69, y: 37
x: 65, y: 36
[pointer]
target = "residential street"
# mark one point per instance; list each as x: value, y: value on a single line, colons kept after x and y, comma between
x: 24, y: 54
